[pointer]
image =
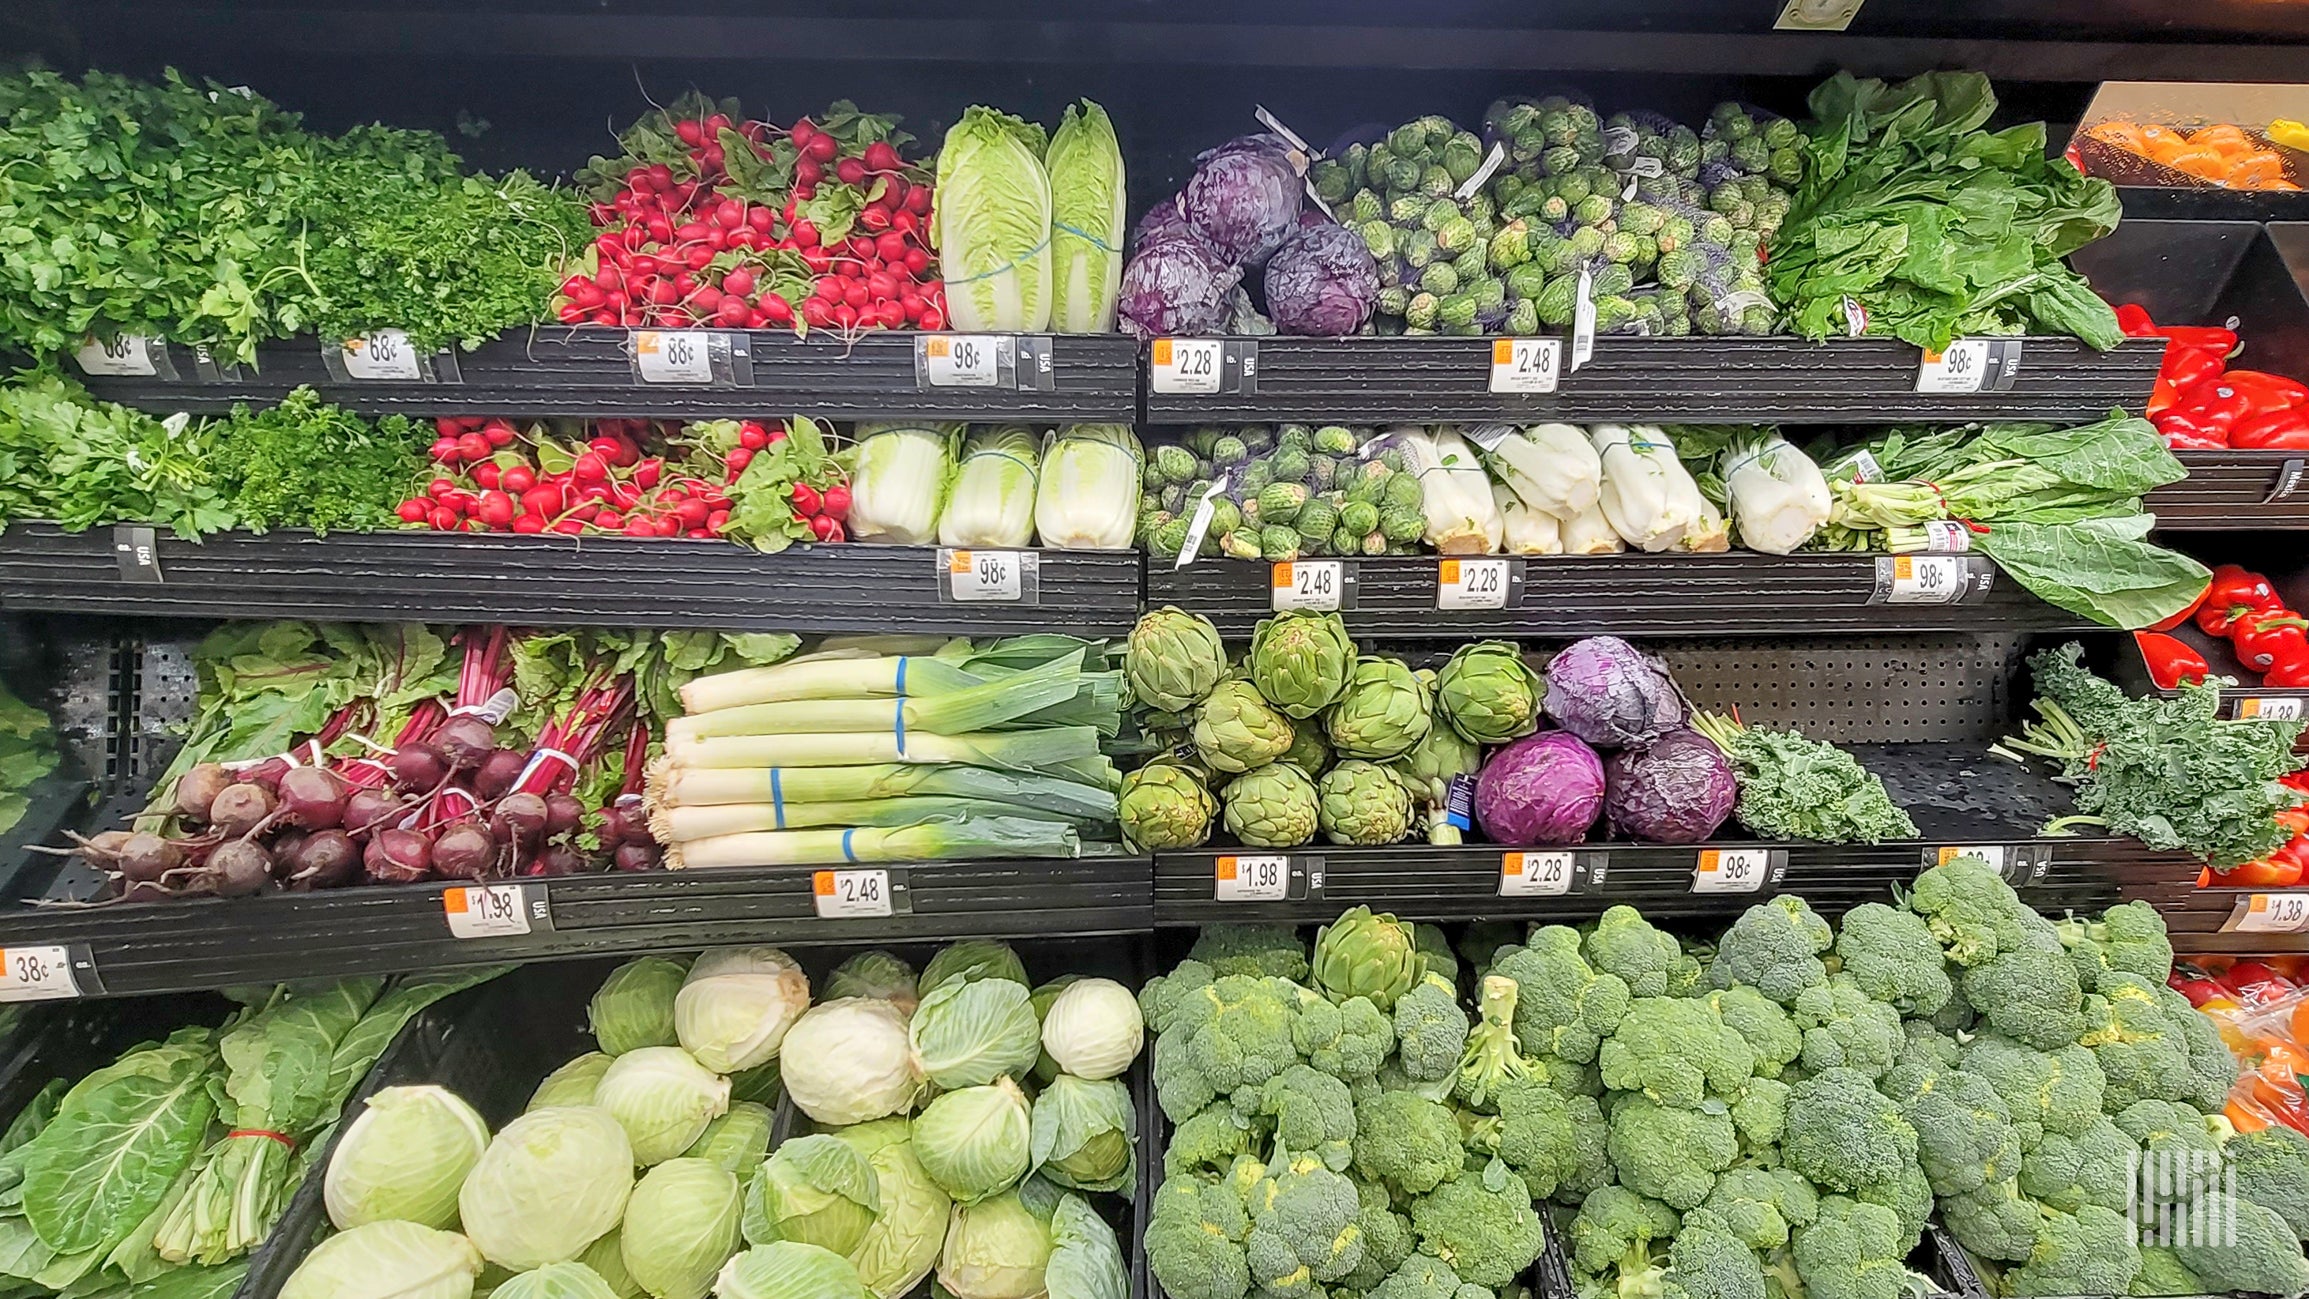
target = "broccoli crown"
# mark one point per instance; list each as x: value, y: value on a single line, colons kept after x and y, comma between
x: 1436, y: 946
x: 2163, y: 1273
x: 1312, y: 1113
x: 1159, y: 1000
x: 1964, y: 1133
x: 1231, y: 1033
x: 2272, y: 1167
x: 1482, y: 1224
x: 1909, y: 1196
x: 2212, y: 1068
x: 1407, y: 1141
x: 1303, y: 1227
x: 1761, y: 1205
x: 1760, y: 1112
x: 1894, y: 958
x: 1194, y: 1239
x: 1207, y: 1143
x: 1774, y: 947
x: 1995, y: 1221
x: 2185, y: 1144
x: 1386, y: 1237
x: 1348, y: 1039
x: 1773, y: 1037
x: 1669, y: 1154
x: 1926, y: 1044
x: 1844, y: 1134
x: 1430, y: 1029
x: 1615, y: 1225
x: 1420, y: 1276
x: 1851, y: 1250
x: 1707, y: 1261
x: 1275, y: 950
x: 1563, y: 1006
x: 2030, y: 994
x: 1676, y: 1050
x: 1845, y: 1028
x: 1556, y: 1143
x: 1970, y: 909
x: 2047, y: 1091
x: 2259, y: 1252
x: 2090, y: 1252
x: 2093, y: 1167
x: 1494, y: 1057
x: 1649, y: 960
x: 2130, y: 938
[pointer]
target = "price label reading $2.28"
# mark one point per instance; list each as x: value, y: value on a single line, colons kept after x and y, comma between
x: 2266, y: 913
x: 849, y: 895
x: 985, y: 574
x: 1526, y: 364
x: 1186, y: 366
x: 1252, y: 879
x: 1731, y: 870
x: 486, y: 911
x: 1318, y: 585
x: 384, y: 354
x: 673, y: 356
x: 1534, y: 874
x: 1471, y: 584
x: 961, y: 361
x: 37, y: 974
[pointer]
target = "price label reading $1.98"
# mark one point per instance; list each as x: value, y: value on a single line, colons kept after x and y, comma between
x: 985, y: 574
x: 1534, y: 874
x: 673, y: 356
x: 385, y: 354
x: 1526, y: 364
x: 1186, y: 366
x: 486, y: 911
x: 1471, y: 584
x: 2263, y: 913
x: 1252, y: 879
x: 1731, y: 870
x: 849, y: 895
x: 961, y: 361
x: 1318, y: 585
x: 37, y: 974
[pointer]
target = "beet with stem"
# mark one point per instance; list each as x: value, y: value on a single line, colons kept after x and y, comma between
x: 240, y: 807
x: 312, y: 798
x: 397, y: 856
x: 196, y: 790
x: 326, y: 859
x: 494, y: 778
x: 464, y: 851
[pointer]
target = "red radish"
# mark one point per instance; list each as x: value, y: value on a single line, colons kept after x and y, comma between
x: 776, y: 309
x: 806, y: 498
x: 414, y: 511
x: 528, y: 524
x: 835, y: 533
x: 918, y: 200
x: 590, y: 467
x: 834, y: 503
x: 733, y: 311
x: 496, y: 509
x: 874, y: 218
x: 518, y: 479
x: 822, y: 527
x: 717, y: 520
x: 737, y: 459
x: 647, y: 473
x: 485, y: 473
x: 443, y: 519
x: 880, y: 156
x: 822, y: 147
x: 609, y: 521
x: 739, y: 282
x: 850, y: 171
x: 473, y: 446
x: 572, y: 527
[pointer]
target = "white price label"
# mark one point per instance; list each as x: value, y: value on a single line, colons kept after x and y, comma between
x: 1583, y: 320
x: 962, y: 360
x: 1995, y: 855
x: 2269, y: 708
x: 1526, y: 364
x: 985, y: 574
x: 384, y: 354
x: 1472, y: 584
x: 1731, y: 870
x: 851, y: 895
x: 673, y: 356
x: 2263, y: 913
x: 486, y: 911
x: 1316, y: 584
x: 1946, y: 537
x: 1534, y: 874
x: 1189, y: 366
x: 1960, y: 367
x: 1252, y: 879
x: 36, y: 974
x: 128, y: 356
x: 1925, y: 579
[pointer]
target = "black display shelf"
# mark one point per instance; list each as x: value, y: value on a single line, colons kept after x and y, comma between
x: 2232, y: 490
x: 560, y: 370
x: 1652, y: 380
x: 549, y: 581
x: 2205, y: 920
x: 1627, y: 594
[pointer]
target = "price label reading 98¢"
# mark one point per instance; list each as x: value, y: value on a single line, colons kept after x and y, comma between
x: 1534, y: 874
x: 849, y: 895
x: 1731, y: 870
x: 961, y: 361
x: 37, y: 974
x: 985, y: 574
x: 1318, y: 585
x: 1919, y: 579
x: 1252, y: 879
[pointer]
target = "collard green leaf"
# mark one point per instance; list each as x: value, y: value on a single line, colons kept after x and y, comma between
x: 108, y: 1158
x: 2103, y: 569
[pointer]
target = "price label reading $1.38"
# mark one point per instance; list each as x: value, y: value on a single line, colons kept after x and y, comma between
x: 961, y: 361
x: 385, y: 354
x: 673, y: 356
x: 1731, y: 870
x: 2269, y: 708
x: 985, y: 574
x: 849, y: 895
x: 1186, y: 366
x: 1534, y: 874
x: 1471, y: 584
x: 1252, y: 879
x: 1526, y: 364
x: 486, y: 911
x: 36, y: 974
x: 2263, y: 913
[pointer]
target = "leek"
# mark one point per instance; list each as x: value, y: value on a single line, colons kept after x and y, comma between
x: 689, y: 824
x: 1055, y: 749
x: 898, y: 483
x: 815, y: 677
x: 678, y: 787
x: 993, y: 499
x: 979, y: 836
x: 957, y: 712
x: 1089, y: 493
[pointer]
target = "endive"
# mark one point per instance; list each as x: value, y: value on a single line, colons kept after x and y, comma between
x: 1550, y: 467
x: 1456, y: 495
x: 1778, y: 498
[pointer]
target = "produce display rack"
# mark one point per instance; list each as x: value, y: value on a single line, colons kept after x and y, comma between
x: 594, y: 372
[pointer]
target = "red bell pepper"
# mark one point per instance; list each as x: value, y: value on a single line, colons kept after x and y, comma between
x: 2171, y: 662
x: 2277, y: 430
x: 2293, y: 676
x: 2263, y: 643
x: 2187, y: 367
x: 2220, y: 342
x: 2234, y: 594
x: 2133, y: 318
x: 2176, y: 618
x: 2190, y: 430
x: 2266, y: 393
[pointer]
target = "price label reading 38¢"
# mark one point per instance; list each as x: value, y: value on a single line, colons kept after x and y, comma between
x: 848, y: 895
x: 1252, y: 879
x: 37, y: 974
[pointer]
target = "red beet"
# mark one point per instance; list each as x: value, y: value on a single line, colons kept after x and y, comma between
x: 238, y: 868
x: 367, y: 808
x: 397, y: 856
x: 634, y: 857
x: 326, y: 859
x: 465, y: 740
x: 418, y: 766
x: 497, y: 773
x: 239, y: 807
x: 197, y: 789
x: 463, y: 852
x: 563, y: 814
x: 557, y: 859
x: 144, y: 858
x: 313, y: 798
x: 520, y: 819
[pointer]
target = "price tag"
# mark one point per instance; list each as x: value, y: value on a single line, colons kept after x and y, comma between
x: 37, y: 974
x: 1474, y: 583
x: 1995, y: 854
x: 851, y: 895
x: 1186, y: 366
x: 1535, y: 874
x: 974, y: 575
x: 128, y: 356
x: 384, y: 354
x: 1817, y: 16
x: 2261, y: 913
x: 1732, y: 870
x: 1970, y: 365
x: 673, y: 356
x: 1583, y: 321
x: 1252, y: 879
x: 496, y: 910
x: 1314, y: 584
x: 1920, y: 579
x: 2269, y: 708
x: 962, y: 360
x: 1526, y: 364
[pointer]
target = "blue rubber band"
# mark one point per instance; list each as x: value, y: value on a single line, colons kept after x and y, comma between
x: 846, y: 853
x: 1095, y: 241
x: 777, y: 799
x: 898, y: 726
x: 901, y: 676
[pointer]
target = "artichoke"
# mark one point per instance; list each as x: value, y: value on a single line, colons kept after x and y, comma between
x: 1236, y: 731
x: 1300, y: 661
x: 1489, y: 694
x: 1308, y: 752
x: 1382, y: 714
x: 1366, y: 955
x: 1173, y: 659
x: 1363, y: 803
x: 1273, y: 807
x: 1162, y: 806
x: 1442, y: 757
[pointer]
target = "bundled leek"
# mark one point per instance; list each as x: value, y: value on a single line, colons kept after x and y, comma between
x: 1048, y: 749
x: 986, y: 836
x: 1461, y: 517
x: 1088, y: 496
x: 1549, y: 467
x: 992, y: 503
x: 955, y: 712
x: 899, y: 481
x: 687, y: 824
x: 679, y: 788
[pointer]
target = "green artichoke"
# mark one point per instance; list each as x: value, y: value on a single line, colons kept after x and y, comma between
x: 1363, y: 803
x: 1384, y: 712
x: 1366, y: 955
x: 1173, y: 659
x: 1308, y: 752
x: 1273, y: 807
x: 1163, y: 806
x: 1489, y: 694
x: 1428, y: 770
x: 1300, y: 661
x: 1236, y: 730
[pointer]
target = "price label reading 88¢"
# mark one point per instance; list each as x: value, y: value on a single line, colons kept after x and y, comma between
x: 1252, y: 879
x: 37, y: 974
x: 848, y: 895
x: 126, y: 355
x: 673, y: 356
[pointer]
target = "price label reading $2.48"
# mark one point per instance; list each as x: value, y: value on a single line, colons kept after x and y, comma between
x: 1526, y: 364
x: 1731, y: 870
x: 985, y: 575
x: 1534, y: 874
x: 2265, y: 913
x: 1252, y: 879
x: 1186, y: 366
x: 849, y: 895
x: 37, y: 974
x: 961, y: 361
x: 385, y: 354
x: 673, y: 356
x: 1471, y: 584
x: 1318, y: 585
x: 486, y: 911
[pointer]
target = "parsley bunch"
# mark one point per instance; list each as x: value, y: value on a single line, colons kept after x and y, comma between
x: 308, y: 464
x: 67, y: 457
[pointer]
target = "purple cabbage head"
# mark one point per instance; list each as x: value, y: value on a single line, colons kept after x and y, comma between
x: 1244, y: 197
x: 1176, y: 285
x: 1163, y: 221
x: 1543, y: 789
x: 1322, y: 282
x: 1676, y: 791
x: 1611, y: 694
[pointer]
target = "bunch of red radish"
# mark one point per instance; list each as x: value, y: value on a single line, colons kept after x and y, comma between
x: 808, y: 228
x: 490, y: 478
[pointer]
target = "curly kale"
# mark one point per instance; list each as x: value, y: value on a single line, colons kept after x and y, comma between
x: 1795, y: 787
